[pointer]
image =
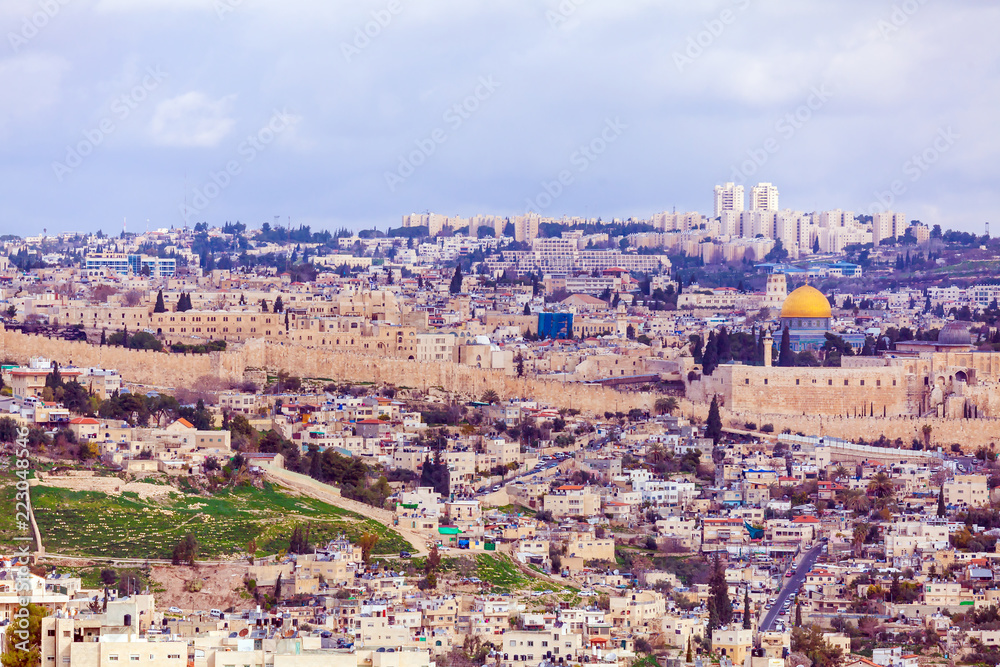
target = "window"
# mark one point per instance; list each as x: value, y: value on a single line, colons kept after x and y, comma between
x: 796, y: 380
x: 862, y: 382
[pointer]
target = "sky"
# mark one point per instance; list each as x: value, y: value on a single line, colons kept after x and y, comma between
x: 338, y: 114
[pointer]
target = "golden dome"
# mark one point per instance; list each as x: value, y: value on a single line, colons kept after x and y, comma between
x: 806, y: 301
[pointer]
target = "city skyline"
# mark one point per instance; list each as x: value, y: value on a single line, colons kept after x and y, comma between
x: 234, y: 111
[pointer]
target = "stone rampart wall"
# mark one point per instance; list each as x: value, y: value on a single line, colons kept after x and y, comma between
x: 970, y: 434
x: 138, y: 366
x: 176, y: 370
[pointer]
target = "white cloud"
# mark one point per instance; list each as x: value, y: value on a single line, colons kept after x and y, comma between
x: 192, y: 119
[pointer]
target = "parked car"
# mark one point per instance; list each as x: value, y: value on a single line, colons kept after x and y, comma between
x: 404, y: 554
x: 175, y: 610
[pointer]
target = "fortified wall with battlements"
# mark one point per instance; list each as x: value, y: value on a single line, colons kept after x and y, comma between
x: 778, y: 402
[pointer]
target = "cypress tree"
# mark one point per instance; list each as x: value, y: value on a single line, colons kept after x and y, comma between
x: 104, y: 337
x: 722, y: 343
x: 746, y: 610
x: 713, y: 615
x: 160, y: 307
x: 941, y: 507
x: 785, y: 356
x: 263, y: 305
x: 798, y: 614
x: 456, y: 280
x: 278, y: 305
x: 719, y: 593
x: 711, y: 357
x: 713, y: 425
x: 696, y: 349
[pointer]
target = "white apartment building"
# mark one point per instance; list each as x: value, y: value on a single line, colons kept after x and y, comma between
x: 728, y: 197
x: 665, y: 492
x: 764, y: 197
x: 971, y: 490
x: 887, y: 226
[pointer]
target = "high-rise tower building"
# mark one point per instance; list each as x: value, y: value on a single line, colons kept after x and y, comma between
x: 764, y: 197
x: 728, y: 197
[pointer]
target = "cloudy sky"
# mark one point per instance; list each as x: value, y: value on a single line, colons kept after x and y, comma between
x: 335, y: 113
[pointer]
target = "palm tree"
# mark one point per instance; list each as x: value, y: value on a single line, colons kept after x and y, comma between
x: 882, y: 488
x: 656, y: 453
x: 855, y: 500
x: 490, y: 396
x: 840, y: 473
x: 665, y: 406
x: 859, y: 537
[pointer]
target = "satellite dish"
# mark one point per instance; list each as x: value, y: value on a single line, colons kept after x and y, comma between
x: 244, y: 632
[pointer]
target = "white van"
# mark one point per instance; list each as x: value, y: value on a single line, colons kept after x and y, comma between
x: 215, y: 613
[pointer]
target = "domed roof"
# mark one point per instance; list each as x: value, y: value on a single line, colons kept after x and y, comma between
x: 955, y: 333
x: 806, y: 301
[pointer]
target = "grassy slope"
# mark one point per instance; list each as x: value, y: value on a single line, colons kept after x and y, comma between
x: 100, y: 525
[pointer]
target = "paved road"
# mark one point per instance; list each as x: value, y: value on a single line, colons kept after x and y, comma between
x: 488, y: 489
x: 793, y: 582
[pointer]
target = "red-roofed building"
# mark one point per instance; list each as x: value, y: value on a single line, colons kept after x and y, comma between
x: 828, y: 490
x: 85, y: 427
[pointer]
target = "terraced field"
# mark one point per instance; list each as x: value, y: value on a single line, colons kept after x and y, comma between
x: 88, y: 523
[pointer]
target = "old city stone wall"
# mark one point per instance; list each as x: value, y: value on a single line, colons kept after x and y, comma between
x: 884, y: 391
x: 138, y: 366
x: 969, y: 433
x: 464, y: 380
x: 161, y: 369
x: 759, y: 405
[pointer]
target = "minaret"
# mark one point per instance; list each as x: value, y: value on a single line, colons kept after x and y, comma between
x: 768, y: 348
